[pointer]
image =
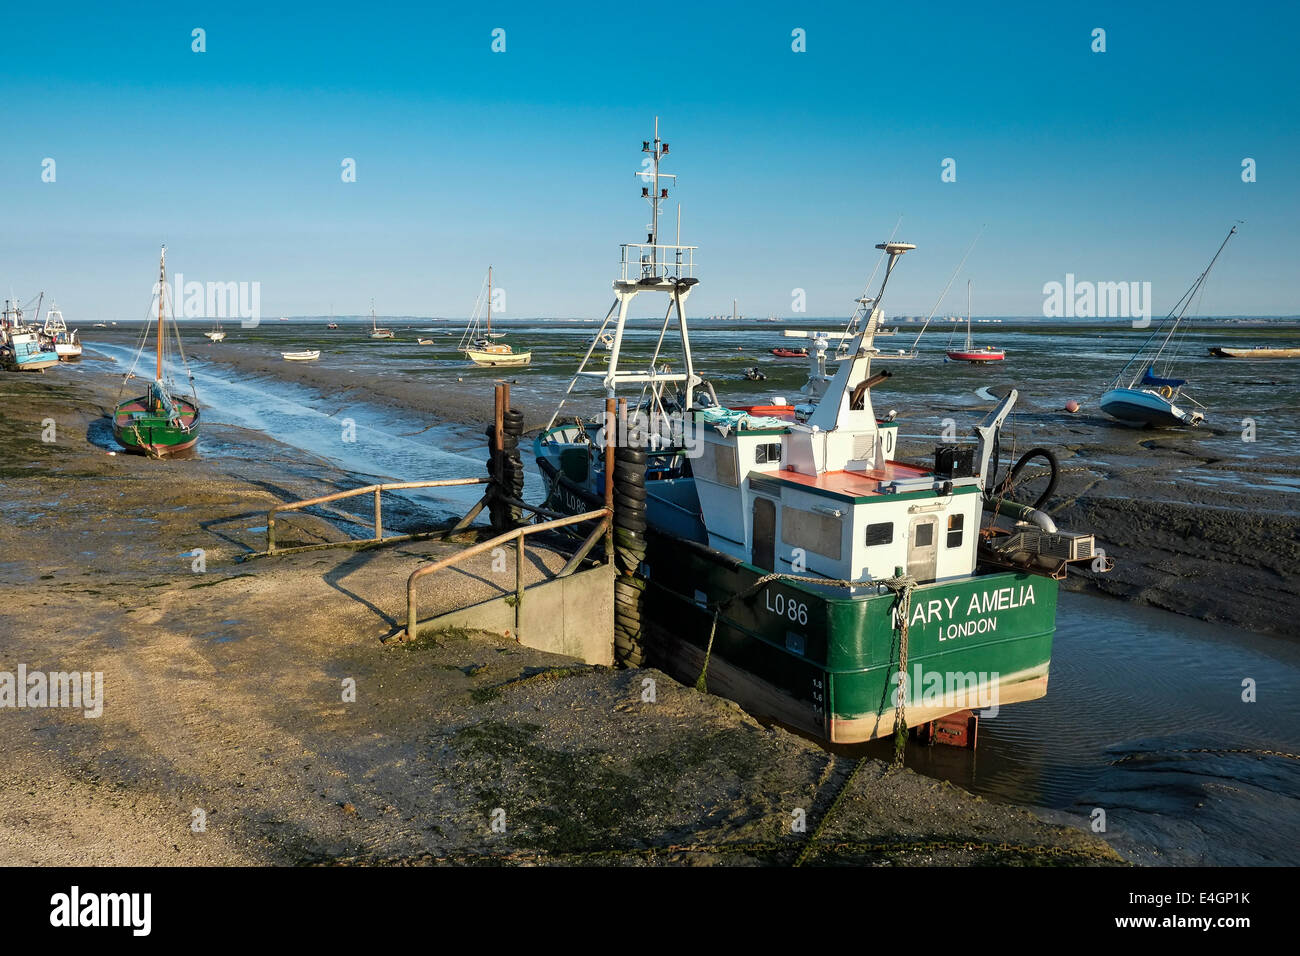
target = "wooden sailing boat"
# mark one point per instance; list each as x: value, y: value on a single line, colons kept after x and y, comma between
x: 375, y: 331
x: 1150, y: 398
x: 486, y: 348
x: 158, y: 423
x: 970, y: 353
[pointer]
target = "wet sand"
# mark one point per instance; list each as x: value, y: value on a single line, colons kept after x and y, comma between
x: 223, y: 693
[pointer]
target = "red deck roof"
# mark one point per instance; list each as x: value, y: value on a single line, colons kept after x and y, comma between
x: 856, y: 484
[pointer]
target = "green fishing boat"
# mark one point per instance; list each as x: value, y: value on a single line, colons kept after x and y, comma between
x: 159, y: 423
x: 780, y: 554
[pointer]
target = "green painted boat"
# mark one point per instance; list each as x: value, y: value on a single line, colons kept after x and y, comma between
x: 824, y: 660
x: 159, y: 423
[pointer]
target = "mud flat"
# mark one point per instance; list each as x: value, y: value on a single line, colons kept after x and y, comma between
x: 1197, y: 522
x: 223, y: 694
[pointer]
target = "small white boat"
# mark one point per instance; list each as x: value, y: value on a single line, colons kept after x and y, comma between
x: 308, y: 355
x: 215, y: 333
x: 375, y: 331
x: 56, y: 332
x: 424, y: 341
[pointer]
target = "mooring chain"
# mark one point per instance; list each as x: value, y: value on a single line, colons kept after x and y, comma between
x: 900, y: 712
x: 1213, y: 750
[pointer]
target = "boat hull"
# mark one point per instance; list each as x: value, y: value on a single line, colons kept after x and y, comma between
x: 828, y: 665
x: 1140, y: 407
x: 976, y: 357
x: 1221, y: 351
x: 68, y: 352
x: 493, y: 359
x: 823, y: 661
x: 145, y: 433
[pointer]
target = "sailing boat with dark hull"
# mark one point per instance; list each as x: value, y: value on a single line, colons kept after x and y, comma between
x: 159, y: 423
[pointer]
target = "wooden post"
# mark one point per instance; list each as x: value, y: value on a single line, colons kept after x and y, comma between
x: 379, y: 518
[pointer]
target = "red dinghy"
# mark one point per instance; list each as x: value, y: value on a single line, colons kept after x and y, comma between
x: 970, y: 353
x: 789, y: 353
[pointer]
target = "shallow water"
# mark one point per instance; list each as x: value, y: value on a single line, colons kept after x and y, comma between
x: 1133, y: 693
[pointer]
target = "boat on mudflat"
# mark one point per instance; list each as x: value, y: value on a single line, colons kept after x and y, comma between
x: 1224, y: 351
x: 782, y: 556
x: 307, y: 355
x: 160, y: 422
x: 782, y: 352
x: 56, y: 334
x: 21, y: 348
x: 484, y: 347
x: 968, y: 353
x: 1145, y: 393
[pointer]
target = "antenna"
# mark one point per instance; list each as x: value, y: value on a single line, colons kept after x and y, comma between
x: 654, y: 193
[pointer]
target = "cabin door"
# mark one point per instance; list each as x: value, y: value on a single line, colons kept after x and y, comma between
x: 923, y: 548
x: 764, y: 551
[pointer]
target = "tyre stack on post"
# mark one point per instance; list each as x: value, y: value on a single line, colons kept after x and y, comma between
x: 629, y: 545
x: 504, y: 463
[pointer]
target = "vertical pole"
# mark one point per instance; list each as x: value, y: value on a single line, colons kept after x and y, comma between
x: 270, y: 533
x: 610, y: 437
x: 519, y: 585
x: 498, y: 438
x: 411, y: 612
x: 379, y: 518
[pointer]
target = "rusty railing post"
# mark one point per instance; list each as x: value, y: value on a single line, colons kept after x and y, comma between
x: 270, y: 532
x: 610, y: 441
x: 519, y: 584
x: 379, y: 517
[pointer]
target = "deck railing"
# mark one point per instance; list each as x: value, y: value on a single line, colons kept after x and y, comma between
x: 645, y: 261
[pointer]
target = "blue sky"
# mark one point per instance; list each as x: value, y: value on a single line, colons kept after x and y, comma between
x: 1115, y: 166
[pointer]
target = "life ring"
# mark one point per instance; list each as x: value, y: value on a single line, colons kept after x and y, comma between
x: 1166, y: 391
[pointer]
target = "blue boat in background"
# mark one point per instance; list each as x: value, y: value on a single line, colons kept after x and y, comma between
x: 1151, y: 399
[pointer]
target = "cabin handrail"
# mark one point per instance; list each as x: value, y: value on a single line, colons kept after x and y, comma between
x: 517, y: 535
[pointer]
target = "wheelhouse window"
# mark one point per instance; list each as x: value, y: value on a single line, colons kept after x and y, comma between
x: 955, y: 525
x: 767, y: 453
x: 924, y: 535
x: 880, y: 533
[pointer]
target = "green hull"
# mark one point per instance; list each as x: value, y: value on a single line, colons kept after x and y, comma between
x: 139, y: 429
x: 827, y: 662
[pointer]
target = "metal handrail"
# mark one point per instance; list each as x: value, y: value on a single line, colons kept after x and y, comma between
x: 605, y: 516
x: 377, y: 490
x: 643, y: 260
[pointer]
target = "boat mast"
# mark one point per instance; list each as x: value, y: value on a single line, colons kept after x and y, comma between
x: 162, y: 293
x: 489, y: 304
x: 968, y: 315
